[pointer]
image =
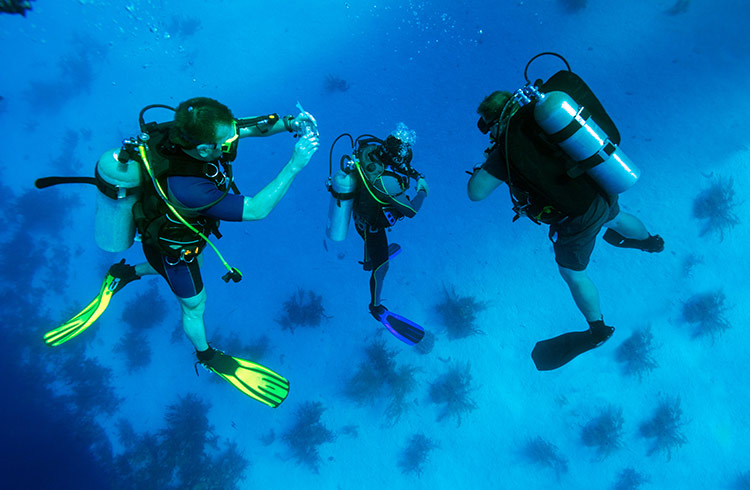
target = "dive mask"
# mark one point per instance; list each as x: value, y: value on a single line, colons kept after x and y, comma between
x: 230, y: 145
x: 485, y: 126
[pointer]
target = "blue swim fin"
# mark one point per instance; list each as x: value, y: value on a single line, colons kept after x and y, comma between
x: 404, y: 329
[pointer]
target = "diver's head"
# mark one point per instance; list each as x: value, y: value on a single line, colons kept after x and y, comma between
x: 205, y: 128
x: 397, y: 146
x: 491, y: 108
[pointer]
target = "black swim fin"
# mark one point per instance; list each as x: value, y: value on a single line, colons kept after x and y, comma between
x: 403, y: 328
x: 654, y: 243
x: 556, y: 352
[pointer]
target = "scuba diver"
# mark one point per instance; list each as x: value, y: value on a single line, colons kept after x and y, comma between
x: 556, y: 148
x: 15, y: 6
x: 374, y: 186
x: 172, y: 184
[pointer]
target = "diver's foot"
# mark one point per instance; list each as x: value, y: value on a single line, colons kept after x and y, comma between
x: 123, y: 274
x: 600, y: 332
x: 378, y: 311
x: 652, y: 244
x: 205, y: 356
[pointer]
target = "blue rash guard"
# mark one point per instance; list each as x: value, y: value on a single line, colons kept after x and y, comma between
x: 194, y: 192
x: 184, y: 278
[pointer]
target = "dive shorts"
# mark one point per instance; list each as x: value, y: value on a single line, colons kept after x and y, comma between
x: 576, y: 237
x: 184, y: 278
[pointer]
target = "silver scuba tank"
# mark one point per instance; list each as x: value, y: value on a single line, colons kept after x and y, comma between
x: 119, y: 188
x: 584, y: 141
x: 341, y: 185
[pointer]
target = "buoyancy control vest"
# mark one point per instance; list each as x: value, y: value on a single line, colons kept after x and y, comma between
x: 128, y: 198
x: 157, y: 224
x: 539, y: 167
x: 371, y: 201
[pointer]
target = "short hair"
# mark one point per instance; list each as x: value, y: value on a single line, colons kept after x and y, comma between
x: 493, y: 104
x: 196, y: 121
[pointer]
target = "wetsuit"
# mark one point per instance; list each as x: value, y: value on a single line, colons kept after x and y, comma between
x: 372, y: 217
x: 184, y: 277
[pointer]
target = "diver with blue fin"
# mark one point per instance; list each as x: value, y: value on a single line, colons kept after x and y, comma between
x: 172, y: 184
x: 378, y: 186
x: 557, y: 150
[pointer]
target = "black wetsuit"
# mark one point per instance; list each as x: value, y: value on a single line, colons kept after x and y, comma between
x: 373, y: 217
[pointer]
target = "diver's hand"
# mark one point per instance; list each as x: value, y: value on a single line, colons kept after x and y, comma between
x: 303, y: 151
x: 304, y: 124
x: 301, y: 118
x: 422, y: 186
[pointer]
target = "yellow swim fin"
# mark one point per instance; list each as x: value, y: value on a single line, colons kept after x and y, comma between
x: 252, y: 379
x: 117, y: 277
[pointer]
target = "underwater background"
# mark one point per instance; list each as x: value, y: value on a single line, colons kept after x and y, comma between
x: 663, y: 404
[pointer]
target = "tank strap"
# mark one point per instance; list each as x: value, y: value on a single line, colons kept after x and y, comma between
x: 113, y: 191
x: 343, y: 196
x: 571, y: 128
x: 592, y: 161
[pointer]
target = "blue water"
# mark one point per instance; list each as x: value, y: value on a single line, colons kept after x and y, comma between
x: 674, y: 78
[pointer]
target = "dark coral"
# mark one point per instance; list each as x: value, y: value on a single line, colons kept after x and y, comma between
x: 459, y: 314
x: 146, y: 310
x: 706, y: 311
x: 630, y: 479
x: 372, y: 374
x: 415, y: 454
x: 307, y: 434
x: 604, y: 432
x: 427, y: 343
x: 379, y: 375
x: 256, y: 350
x: 665, y: 427
x: 716, y: 204
x: 76, y: 76
x: 89, y: 383
x: 635, y: 353
x: 543, y: 453
x: 679, y: 7
x: 742, y: 482
x: 185, y: 454
x: 452, y: 390
x: 573, y: 5
x: 690, y: 262
x: 302, y: 309
x: 335, y: 84
x: 135, y: 347
x: 402, y: 384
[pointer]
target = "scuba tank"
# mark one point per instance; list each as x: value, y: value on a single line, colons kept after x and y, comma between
x: 572, y: 128
x: 119, y: 189
x: 342, y: 186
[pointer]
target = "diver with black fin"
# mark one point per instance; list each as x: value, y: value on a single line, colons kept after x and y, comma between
x: 378, y: 186
x: 172, y: 184
x: 556, y: 148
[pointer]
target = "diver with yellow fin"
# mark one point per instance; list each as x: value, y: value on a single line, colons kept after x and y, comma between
x: 378, y: 186
x: 556, y: 148
x: 172, y: 184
